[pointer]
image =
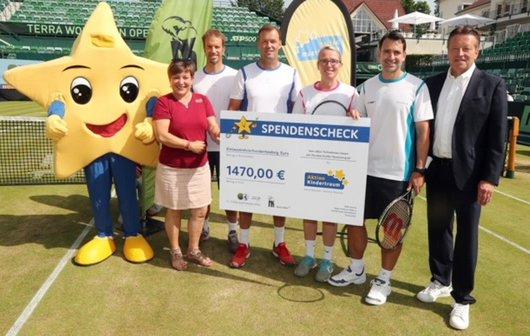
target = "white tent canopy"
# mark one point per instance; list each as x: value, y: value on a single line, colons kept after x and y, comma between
x: 415, y: 18
x: 466, y: 20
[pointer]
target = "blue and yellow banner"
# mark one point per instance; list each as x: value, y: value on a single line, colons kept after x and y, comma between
x: 309, y: 25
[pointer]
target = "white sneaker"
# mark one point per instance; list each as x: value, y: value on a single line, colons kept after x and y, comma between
x: 434, y: 291
x: 378, y: 293
x: 348, y: 277
x: 459, y: 318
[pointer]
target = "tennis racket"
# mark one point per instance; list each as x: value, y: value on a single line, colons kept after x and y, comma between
x: 330, y: 107
x: 395, y: 221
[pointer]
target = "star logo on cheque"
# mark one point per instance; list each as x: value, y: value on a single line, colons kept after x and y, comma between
x: 244, y: 127
x: 339, y: 175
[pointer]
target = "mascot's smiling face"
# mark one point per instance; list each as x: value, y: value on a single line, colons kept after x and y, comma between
x: 105, y: 88
x: 81, y: 94
x: 105, y: 104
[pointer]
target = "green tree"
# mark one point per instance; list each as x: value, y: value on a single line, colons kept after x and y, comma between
x: 408, y: 5
x: 250, y: 4
x: 437, y: 8
x: 423, y: 7
x: 271, y: 8
x: 274, y: 8
x: 416, y: 6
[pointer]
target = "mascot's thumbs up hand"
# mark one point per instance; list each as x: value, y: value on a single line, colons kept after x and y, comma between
x: 55, y: 124
x: 55, y: 127
x: 144, y: 131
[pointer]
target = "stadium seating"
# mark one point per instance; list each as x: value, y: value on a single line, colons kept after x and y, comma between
x: 3, y: 4
x: 510, y: 60
x: 516, y: 48
x: 240, y: 26
x: 238, y: 23
x: 128, y: 13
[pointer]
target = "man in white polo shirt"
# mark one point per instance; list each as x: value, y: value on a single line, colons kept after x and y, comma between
x: 267, y: 86
x: 400, y: 108
x: 215, y: 81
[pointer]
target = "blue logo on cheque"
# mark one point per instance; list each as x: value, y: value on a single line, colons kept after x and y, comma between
x: 331, y: 180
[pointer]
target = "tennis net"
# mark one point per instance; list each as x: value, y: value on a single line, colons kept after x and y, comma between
x: 26, y: 155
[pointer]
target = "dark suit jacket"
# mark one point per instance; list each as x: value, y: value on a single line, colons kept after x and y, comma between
x: 479, y: 130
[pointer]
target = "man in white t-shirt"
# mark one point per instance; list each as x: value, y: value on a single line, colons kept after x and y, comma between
x: 267, y: 86
x: 400, y: 108
x: 215, y: 81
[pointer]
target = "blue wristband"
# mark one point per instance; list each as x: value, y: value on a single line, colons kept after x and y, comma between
x: 57, y: 108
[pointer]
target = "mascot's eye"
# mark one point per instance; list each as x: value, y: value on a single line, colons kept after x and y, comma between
x: 129, y: 89
x: 81, y: 90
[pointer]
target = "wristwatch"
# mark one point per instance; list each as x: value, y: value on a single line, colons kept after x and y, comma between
x: 420, y: 171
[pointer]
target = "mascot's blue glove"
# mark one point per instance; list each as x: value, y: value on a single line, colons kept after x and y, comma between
x: 55, y: 124
x: 150, y: 106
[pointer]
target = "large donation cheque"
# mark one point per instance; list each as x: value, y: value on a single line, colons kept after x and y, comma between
x: 294, y: 165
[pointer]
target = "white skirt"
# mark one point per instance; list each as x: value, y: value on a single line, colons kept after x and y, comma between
x: 183, y: 188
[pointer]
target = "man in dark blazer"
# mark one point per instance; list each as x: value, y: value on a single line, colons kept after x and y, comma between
x: 467, y: 140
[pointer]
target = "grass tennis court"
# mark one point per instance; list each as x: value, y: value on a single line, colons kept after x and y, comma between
x: 21, y: 109
x: 38, y: 224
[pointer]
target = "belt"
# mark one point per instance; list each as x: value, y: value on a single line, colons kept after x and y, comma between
x: 443, y: 161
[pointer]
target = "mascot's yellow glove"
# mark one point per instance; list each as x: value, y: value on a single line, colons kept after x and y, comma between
x: 55, y: 127
x: 144, y: 131
x: 55, y: 124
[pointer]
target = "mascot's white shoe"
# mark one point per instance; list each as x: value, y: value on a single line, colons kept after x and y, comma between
x: 137, y: 249
x: 95, y: 251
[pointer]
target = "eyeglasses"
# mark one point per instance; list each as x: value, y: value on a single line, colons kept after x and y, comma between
x: 331, y: 61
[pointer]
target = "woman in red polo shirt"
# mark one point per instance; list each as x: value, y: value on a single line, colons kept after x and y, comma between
x: 182, y: 119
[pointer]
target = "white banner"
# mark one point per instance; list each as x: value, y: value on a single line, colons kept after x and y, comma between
x: 294, y: 165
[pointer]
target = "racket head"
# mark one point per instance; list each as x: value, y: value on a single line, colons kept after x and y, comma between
x: 330, y: 107
x: 394, y: 222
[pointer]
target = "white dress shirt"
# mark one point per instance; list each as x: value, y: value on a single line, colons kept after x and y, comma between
x: 447, y: 109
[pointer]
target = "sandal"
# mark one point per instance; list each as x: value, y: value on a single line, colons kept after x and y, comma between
x: 177, y: 260
x: 199, y: 258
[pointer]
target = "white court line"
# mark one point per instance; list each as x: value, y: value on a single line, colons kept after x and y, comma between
x: 26, y: 314
x: 505, y: 240
x: 513, y: 197
x: 496, y: 235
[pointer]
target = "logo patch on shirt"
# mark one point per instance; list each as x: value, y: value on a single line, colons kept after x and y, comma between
x: 198, y: 100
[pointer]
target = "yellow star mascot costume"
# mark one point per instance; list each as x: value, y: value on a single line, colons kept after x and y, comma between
x: 97, y: 102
